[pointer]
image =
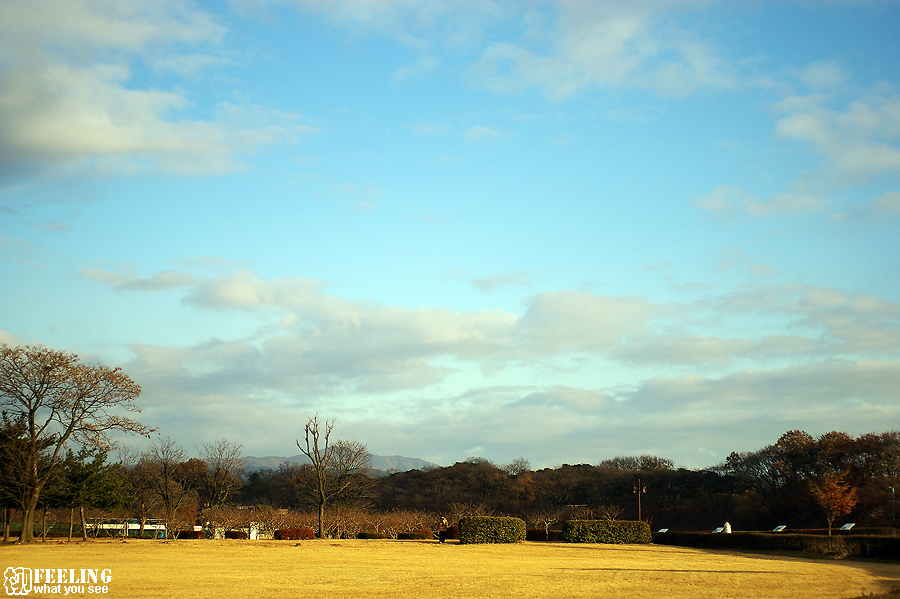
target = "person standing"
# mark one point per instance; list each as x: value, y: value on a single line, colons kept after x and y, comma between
x: 443, y: 525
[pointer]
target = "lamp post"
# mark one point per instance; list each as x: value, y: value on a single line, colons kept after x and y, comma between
x: 893, y: 508
x: 639, y: 489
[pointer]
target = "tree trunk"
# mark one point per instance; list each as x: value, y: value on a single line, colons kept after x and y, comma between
x: 44, y: 525
x: 6, y: 518
x: 321, y: 519
x: 83, y: 527
x: 27, y: 534
x: 71, y: 522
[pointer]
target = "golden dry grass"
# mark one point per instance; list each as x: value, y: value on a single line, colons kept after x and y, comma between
x: 372, y: 569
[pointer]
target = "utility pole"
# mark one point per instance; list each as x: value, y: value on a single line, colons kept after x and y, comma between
x: 639, y: 489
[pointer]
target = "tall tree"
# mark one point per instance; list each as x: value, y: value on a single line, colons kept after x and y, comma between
x: 334, y: 464
x: 224, y: 468
x: 60, y: 400
x: 834, y: 495
x: 167, y: 477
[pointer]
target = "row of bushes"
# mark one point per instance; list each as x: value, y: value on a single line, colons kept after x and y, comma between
x: 606, y: 531
x: 484, y: 529
x: 844, y: 545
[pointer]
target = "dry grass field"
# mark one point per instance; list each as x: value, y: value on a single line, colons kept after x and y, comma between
x: 372, y: 569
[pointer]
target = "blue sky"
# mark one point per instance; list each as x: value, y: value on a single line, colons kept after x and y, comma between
x: 558, y: 230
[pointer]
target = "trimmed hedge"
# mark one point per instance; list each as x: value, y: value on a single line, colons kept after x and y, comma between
x: 491, y: 529
x: 371, y: 535
x: 294, y: 534
x: 190, y: 534
x: 844, y: 545
x: 235, y: 534
x: 606, y: 531
x: 539, y: 534
x: 417, y: 535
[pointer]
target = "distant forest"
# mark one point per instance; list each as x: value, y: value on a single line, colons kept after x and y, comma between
x: 774, y: 486
x: 800, y: 481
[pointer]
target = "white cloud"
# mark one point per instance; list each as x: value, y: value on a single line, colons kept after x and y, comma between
x: 883, y: 208
x: 168, y: 279
x: 482, y: 133
x: 858, y: 143
x: 514, y: 278
x: 729, y: 202
x: 608, y: 44
x: 67, y: 92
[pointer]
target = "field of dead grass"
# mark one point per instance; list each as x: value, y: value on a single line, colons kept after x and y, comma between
x: 372, y: 569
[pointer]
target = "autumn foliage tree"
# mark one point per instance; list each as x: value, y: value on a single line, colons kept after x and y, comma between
x: 834, y: 495
x: 58, y: 399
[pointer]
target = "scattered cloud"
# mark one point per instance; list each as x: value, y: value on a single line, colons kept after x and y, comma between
x: 608, y: 44
x: 168, y: 279
x: 884, y: 208
x: 514, y: 278
x: 816, y: 352
x: 727, y: 202
x: 482, y: 133
x: 858, y: 142
x: 19, y: 250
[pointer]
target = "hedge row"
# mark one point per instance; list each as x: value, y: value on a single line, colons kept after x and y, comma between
x: 235, y: 534
x: 856, y: 545
x: 491, y: 529
x: 190, y: 534
x: 371, y: 535
x: 606, y: 531
x: 294, y: 534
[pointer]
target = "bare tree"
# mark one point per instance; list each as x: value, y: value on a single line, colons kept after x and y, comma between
x: 544, y: 517
x: 60, y: 399
x: 225, y: 465
x: 517, y: 466
x: 336, y: 465
x: 167, y: 478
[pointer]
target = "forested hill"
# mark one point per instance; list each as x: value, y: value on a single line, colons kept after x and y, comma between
x: 384, y: 463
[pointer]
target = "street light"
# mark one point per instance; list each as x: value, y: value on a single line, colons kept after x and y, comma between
x: 639, y: 489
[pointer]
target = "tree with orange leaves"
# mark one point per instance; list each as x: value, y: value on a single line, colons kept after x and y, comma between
x: 834, y: 495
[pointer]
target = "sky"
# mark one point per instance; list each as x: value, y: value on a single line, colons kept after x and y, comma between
x: 564, y: 231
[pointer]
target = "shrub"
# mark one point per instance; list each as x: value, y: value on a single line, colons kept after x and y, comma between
x: 190, y: 534
x: 419, y: 535
x: 294, y: 534
x: 371, y: 535
x: 491, y: 529
x: 452, y: 532
x: 606, y: 531
x: 235, y: 534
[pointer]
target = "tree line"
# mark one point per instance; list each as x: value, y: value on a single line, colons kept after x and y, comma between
x: 54, y: 455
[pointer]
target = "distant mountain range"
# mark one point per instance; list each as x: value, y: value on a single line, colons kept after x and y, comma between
x: 382, y: 463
